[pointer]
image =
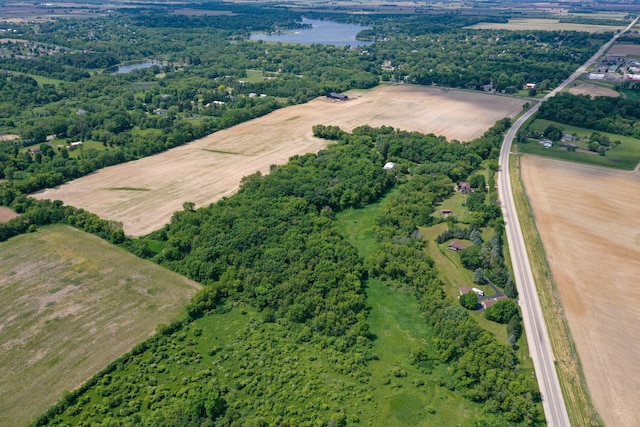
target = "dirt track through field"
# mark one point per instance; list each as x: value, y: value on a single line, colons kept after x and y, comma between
x: 589, y: 221
x: 144, y: 194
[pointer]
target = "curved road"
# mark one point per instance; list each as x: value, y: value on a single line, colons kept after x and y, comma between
x: 539, y: 345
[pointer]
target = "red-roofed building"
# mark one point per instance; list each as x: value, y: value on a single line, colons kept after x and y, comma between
x: 488, y: 303
x: 456, y: 246
x: 464, y: 187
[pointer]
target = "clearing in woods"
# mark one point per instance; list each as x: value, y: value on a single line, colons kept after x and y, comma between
x: 71, y: 304
x: 210, y: 168
x: 589, y: 222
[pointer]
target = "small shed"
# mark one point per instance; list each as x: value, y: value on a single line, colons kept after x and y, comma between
x: 446, y: 212
x: 547, y: 143
x: 74, y: 145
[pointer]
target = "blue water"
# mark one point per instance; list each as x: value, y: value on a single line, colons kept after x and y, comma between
x: 323, y: 32
x: 124, y: 69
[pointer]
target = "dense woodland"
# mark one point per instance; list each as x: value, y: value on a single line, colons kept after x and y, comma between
x: 602, y: 113
x: 274, y: 247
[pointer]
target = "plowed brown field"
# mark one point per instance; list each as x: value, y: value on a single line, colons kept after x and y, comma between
x: 589, y: 221
x: 144, y: 194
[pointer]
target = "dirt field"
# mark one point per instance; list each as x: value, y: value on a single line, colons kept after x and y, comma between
x: 8, y: 137
x: 624, y: 49
x: 544, y: 24
x: 589, y: 222
x: 144, y: 194
x: 593, y: 90
x: 6, y: 214
x: 71, y: 304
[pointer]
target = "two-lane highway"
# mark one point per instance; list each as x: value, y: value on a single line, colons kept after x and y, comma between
x: 535, y: 327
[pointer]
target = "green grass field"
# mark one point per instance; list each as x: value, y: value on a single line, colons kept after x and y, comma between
x: 40, y: 79
x: 254, y: 76
x: 455, y: 203
x: 624, y: 156
x: 396, y: 322
x: 72, y: 303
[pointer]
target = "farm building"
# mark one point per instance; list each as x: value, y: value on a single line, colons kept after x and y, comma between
x: 389, y: 166
x: 530, y: 86
x: 75, y: 145
x: 338, y: 96
x: 36, y: 150
x: 464, y: 187
x: 547, y: 143
x: 455, y: 246
x: 446, y: 212
x: 568, y: 137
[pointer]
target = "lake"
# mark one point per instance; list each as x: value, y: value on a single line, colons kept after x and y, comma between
x: 124, y: 69
x: 323, y: 32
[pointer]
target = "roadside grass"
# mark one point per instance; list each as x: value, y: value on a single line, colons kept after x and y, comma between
x: 624, y: 156
x: 581, y: 410
x: 72, y: 303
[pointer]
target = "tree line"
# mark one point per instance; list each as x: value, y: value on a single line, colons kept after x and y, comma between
x: 602, y: 113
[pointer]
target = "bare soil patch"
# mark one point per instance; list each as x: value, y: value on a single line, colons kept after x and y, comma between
x: 6, y: 214
x: 624, y: 49
x: 544, y: 25
x: 589, y: 222
x: 208, y: 169
x: 593, y: 90
x: 71, y: 304
x: 9, y: 137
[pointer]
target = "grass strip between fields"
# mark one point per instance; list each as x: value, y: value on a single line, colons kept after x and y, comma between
x: 579, y: 406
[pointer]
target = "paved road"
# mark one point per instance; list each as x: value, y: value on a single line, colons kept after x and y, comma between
x: 539, y: 345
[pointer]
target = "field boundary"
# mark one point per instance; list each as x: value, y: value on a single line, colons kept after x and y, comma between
x: 570, y: 371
